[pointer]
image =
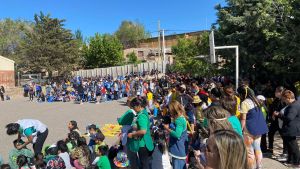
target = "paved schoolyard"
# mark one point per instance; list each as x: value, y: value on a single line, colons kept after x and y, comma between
x: 57, y: 115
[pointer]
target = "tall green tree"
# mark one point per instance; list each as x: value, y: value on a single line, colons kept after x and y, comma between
x: 79, y: 36
x: 103, y: 51
x: 50, y: 46
x: 12, y: 33
x: 186, y: 52
x: 263, y: 31
x: 129, y: 33
x: 132, y: 58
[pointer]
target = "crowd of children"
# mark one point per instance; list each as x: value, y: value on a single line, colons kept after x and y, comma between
x: 178, y: 122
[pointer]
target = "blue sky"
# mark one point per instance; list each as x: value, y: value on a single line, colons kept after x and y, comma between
x: 91, y: 16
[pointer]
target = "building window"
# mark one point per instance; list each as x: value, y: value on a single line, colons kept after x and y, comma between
x: 140, y: 53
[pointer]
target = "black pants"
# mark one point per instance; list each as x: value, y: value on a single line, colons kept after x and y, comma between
x: 31, y: 96
x: 141, y: 158
x: 116, y: 95
x: 263, y: 143
x: 2, y: 96
x: 293, y: 150
x: 272, y: 130
x: 38, y: 145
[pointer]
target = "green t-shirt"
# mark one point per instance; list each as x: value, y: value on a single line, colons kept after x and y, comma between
x: 103, y: 163
x: 143, y: 123
x: 29, y: 131
x: 236, y: 125
x: 181, y: 125
x: 205, y: 122
x: 264, y: 111
x: 126, y: 118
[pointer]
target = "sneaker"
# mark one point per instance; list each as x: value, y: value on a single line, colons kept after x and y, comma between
x: 282, y: 158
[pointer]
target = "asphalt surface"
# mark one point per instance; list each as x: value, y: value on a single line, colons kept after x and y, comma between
x: 57, y: 115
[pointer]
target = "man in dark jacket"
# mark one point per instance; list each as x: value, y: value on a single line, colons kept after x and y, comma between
x: 291, y: 127
x: 276, y: 106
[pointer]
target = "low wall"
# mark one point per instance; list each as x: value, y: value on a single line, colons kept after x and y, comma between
x: 122, y: 70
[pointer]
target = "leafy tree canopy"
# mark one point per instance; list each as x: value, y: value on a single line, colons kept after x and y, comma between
x: 129, y: 33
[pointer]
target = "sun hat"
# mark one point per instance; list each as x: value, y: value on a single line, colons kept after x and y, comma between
x: 261, y: 97
x: 196, y: 99
x: 121, y: 160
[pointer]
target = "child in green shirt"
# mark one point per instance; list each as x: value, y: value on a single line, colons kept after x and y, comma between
x: 103, y: 162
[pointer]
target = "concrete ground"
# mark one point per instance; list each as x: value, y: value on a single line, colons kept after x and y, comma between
x: 57, y: 115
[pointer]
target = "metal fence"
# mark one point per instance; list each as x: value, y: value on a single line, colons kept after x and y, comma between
x: 122, y: 70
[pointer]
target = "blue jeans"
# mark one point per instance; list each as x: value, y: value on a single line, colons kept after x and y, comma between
x: 178, y: 163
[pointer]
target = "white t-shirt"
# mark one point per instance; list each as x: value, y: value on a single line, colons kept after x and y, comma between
x: 159, y: 160
x: 66, y: 157
x: 36, y: 124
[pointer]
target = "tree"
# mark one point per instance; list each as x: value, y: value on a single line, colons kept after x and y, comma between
x: 103, y: 51
x: 132, y: 58
x: 12, y: 32
x: 185, y: 56
x: 50, y: 46
x: 78, y: 36
x: 265, y: 34
x: 129, y: 33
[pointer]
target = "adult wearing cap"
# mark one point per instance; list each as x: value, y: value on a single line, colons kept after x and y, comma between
x: 35, y: 131
x: 264, y: 110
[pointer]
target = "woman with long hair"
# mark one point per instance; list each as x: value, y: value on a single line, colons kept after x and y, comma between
x: 225, y: 149
x: 72, y: 126
x: 217, y: 119
x: 253, y: 125
x: 229, y: 103
x: 178, y: 143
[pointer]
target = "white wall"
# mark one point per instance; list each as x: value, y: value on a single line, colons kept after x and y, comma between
x: 6, y: 64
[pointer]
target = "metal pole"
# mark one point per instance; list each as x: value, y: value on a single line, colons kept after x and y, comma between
x: 236, y: 62
x: 237, y: 67
x: 164, y: 45
x: 18, y: 78
x: 164, y: 51
x: 159, y: 46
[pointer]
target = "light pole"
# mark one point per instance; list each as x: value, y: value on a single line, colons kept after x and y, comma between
x: 164, y: 51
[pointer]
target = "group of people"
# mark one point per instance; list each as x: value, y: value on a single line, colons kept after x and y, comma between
x: 89, y: 90
x: 177, y: 122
